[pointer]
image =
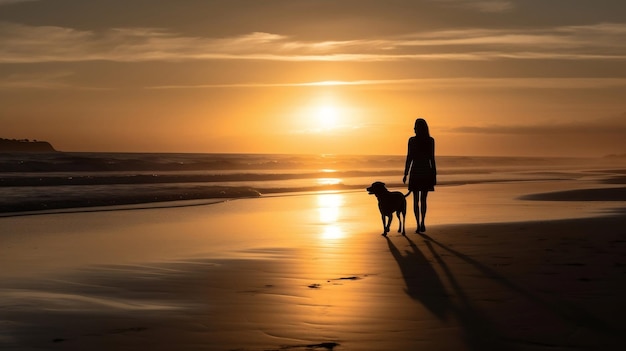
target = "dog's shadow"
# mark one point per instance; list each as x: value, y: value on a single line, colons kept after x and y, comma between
x: 422, y: 281
x: 424, y: 285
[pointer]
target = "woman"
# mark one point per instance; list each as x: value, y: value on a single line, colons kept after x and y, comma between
x: 420, y: 161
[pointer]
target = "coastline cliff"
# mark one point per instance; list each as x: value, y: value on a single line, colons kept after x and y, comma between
x: 25, y: 145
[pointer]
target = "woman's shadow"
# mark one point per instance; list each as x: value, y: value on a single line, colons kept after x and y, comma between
x: 423, y: 285
x: 422, y: 281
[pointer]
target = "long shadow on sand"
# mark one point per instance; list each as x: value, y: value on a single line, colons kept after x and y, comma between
x: 481, y: 332
x: 423, y: 284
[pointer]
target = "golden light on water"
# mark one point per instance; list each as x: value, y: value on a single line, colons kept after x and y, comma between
x: 332, y: 232
x: 328, y: 181
x: 329, y: 208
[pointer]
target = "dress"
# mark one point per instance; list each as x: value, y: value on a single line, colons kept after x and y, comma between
x: 420, y: 160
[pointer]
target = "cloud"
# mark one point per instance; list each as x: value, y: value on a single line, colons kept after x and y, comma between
x: 491, y: 6
x: 615, y: 126
x: 43, y: 81
x: 34, y: 81
x: 437, y: 83
x: 34, y: 44
x: 520, y: 83
x: 9, y: 2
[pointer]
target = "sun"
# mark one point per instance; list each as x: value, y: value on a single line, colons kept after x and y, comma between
x: 326, y: 117
x: 321, y: 115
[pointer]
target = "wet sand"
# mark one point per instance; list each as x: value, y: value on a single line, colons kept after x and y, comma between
x: 312, y: 272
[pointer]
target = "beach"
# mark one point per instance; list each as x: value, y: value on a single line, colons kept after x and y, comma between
x: 512, y: 265
x: 210, y: 175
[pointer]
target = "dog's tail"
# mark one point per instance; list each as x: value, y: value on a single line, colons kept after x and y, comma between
x: 407, y: 194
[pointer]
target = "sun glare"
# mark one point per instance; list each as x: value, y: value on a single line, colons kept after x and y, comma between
x: 332, y: 232
x: 321, y: 114
x: 329, y: 207
x: 327, y: 117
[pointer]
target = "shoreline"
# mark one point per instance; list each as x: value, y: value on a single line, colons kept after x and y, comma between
x: 311, y: 271
x: 600, y: 192
x: 142, y: 180
x: 456, y: 287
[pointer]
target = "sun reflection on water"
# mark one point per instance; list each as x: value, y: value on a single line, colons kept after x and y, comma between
x: 329, y: 208
x: 328, y: 181
x: 332, y: 232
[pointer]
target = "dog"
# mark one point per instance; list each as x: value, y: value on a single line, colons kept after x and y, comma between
x: 388, y: 203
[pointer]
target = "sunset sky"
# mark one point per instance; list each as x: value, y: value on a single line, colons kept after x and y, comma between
x: 492, y: 77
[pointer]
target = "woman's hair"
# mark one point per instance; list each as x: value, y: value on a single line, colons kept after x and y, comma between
x: 421, y: 129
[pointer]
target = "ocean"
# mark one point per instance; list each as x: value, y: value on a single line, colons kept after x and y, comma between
x: 32, y: 183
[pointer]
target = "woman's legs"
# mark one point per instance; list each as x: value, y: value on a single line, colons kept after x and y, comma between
x: 416, y: 209
x: 420, y: 197
x: 423, y: 195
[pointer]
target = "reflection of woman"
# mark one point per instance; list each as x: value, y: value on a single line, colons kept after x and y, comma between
x: 420, y: 160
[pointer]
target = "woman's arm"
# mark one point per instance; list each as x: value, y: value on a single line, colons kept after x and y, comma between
x: 432, y: 156
x: 432, y: 160
x: 407, y: 163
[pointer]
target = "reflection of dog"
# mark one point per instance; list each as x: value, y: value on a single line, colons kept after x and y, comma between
x: 388, y: 203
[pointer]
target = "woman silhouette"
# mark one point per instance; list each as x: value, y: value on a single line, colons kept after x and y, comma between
x: 420, y: 161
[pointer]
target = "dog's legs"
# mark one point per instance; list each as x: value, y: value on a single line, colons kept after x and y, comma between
x: 402, y: 220
x: 385, y: 230
x: 399, y: 220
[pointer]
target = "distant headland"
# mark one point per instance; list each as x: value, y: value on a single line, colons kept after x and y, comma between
x: 25, y: 145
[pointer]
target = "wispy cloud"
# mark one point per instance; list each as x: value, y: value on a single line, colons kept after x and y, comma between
x: 606, y: 126
x: 278, y: 85
x: 522, y: 83
x: 33, y: 44
x: 43, y: 81
x: 438, y: 83
x: 8, y: 2
x: 492, y: 6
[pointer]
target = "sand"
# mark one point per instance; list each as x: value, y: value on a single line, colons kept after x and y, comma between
x: 494, y: 270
